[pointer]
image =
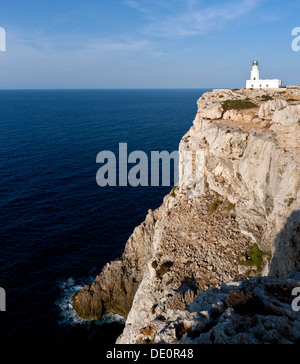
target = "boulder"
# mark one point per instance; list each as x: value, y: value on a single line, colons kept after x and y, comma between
x: 211, y: 111
x: 288, y: 116
x: 267, y: 109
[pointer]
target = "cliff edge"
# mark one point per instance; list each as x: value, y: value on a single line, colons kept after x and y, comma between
x: 235, y: 214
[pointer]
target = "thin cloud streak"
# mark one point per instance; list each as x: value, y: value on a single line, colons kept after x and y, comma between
x: 137, y: 6
x: 193, y: 19
x: 76, y: 44
x: 54, y: 60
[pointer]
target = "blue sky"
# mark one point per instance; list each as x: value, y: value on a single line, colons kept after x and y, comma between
x: 146, y: 43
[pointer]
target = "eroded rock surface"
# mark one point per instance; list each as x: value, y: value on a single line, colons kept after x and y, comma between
x: 258, y: 311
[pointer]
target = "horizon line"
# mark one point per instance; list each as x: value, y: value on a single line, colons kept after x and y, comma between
x: 108, y: 89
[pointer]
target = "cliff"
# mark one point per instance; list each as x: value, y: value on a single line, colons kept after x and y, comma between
x: 234, y: 214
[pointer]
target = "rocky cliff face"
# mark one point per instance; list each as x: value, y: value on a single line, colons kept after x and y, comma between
x: 257, y: 311
x: 234, y: 214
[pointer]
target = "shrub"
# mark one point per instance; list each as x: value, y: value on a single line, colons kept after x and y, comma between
x: 267, y: 97
x: 230, y: 206
x: 148, y: 341
x: 213, y: 207
x: 237, y: 105
x: 253, y: 258
x: 172, y: 193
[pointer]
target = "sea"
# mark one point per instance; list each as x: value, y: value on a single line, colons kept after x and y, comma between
x: 58, y: 227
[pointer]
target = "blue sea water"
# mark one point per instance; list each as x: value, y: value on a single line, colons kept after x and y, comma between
x: 58, y: 227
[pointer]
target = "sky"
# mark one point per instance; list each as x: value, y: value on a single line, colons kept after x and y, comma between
x: 99, y: 44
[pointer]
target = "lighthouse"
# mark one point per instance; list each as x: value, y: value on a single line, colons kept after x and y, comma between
x: 255, y: 71
x: 256, y: 82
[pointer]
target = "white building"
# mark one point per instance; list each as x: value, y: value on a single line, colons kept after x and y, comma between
x: 256, y: 82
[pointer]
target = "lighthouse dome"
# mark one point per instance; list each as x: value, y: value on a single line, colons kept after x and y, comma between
x: 255, y: 62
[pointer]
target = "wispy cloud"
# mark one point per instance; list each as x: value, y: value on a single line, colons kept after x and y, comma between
x: 118, y: 46
x: 39, y: 48
x: 66, y: 43
x: 189, y: 17
x: 52, y: 60
x: 137, y: 6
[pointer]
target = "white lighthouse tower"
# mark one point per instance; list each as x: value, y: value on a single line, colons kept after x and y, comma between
x: 256, y: 82
x: 255, y: 71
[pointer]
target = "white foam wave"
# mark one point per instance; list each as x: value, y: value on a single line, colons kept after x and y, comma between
x: 112, y: 318
x: 68, y: 289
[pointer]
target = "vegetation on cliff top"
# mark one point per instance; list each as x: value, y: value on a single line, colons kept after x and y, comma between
x: 253, y: 258
x: 237, y: 105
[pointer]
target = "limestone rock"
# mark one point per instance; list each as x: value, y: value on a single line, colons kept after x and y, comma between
x: 212, y: 112
x: 289, y: 115
x: 258, y: 311
x: 233, y: 115
x: 267, y: 109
